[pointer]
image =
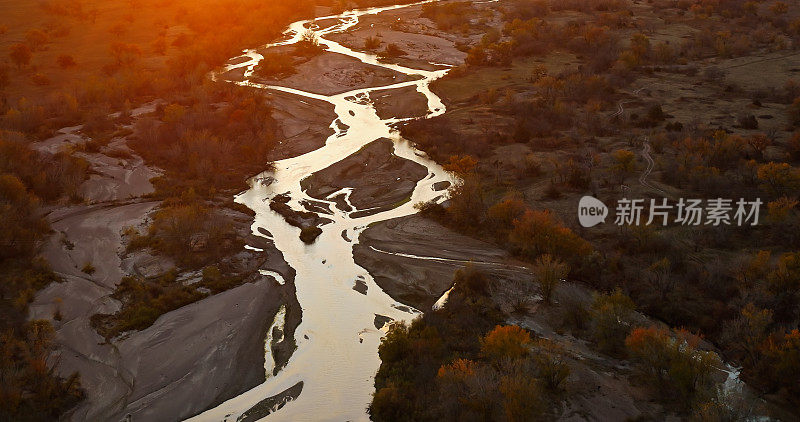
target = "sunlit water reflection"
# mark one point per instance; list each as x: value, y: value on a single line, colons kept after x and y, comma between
x: 337, y: 341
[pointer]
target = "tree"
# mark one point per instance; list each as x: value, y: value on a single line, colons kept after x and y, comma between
x: 36, y: 39
x: 793, y: 146
x: 509, y: 341
x: 779, y: 8
x: 66, y: 61
x: 125, y: 54
x: 4, y: 77
x: 745, y: 334
x: 779, y: 210
x: 538, y: 232
x: 759, y: 142
x: 640, y: 48
x: 523, y: 398
x: 550, y: 362
x: 549, y: 88
x: 549, y: 272
x: 611, y: 320
x: 778, y: 178
x: 467, y: 205
x: 784, y: 358
x: 794, y: 111
x: 502, y: 214
x: 674, y: 365
x: 20, y: 54
x: 461, y: 164
x: 624, y: 164
x: 472, y: 280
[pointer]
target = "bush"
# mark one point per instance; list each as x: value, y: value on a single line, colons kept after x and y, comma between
x: 549, y: 272
x: 143, y: 302
x: 392, y: 50
x: 66, y: 61
x: 539, y: 232
x: 88, y: 268
x: 611, y: 321
x: 673, y: 365
x: 275, y: 66
x: 372, y: 43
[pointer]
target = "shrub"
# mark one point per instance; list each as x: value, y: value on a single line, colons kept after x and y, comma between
x: 673, y: 365
x: 392, y: 50
x: 20, y: 54
x: 508, y: 341
x: 88, y: 268
x: 549, y: 272
x: 308, y: 46
x: 372, y: 43
x: 66, y: 61
x: 611, y: 321
x: 539, y: 232
x: 276, y: 66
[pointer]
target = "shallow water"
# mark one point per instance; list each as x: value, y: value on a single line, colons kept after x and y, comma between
x: 336, y: 357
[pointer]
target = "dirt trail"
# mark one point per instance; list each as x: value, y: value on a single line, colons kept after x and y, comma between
x: 645, y: 149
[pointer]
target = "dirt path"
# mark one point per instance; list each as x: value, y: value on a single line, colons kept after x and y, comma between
x: 645, y: 153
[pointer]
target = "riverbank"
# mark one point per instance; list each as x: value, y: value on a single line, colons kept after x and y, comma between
x: 216, y: 342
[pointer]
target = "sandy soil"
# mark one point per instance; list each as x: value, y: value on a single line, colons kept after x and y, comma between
x: 379, y: 177
x: 420, y: 282
x: 399, y: 103
x: 418, y: 37
x: 333, y: 73
x: 117, y: 178
x: 117, y: 173
x: 303, y: 122
x: 153, y: 373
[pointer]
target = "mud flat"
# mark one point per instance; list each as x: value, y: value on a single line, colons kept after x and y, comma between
x: 377, y: 176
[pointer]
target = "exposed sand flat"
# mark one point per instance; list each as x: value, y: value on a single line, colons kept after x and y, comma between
x: 419, y: 281
x: 378, y: 177
x: 64, y: 137
x: 199, y: 355
x: 117, y: 173
x: 118, y: 177
x: 421, y: 48
x: 400, y: 103
x: 333, y: 73
x: 154, y: 374
x: 303, y: 122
